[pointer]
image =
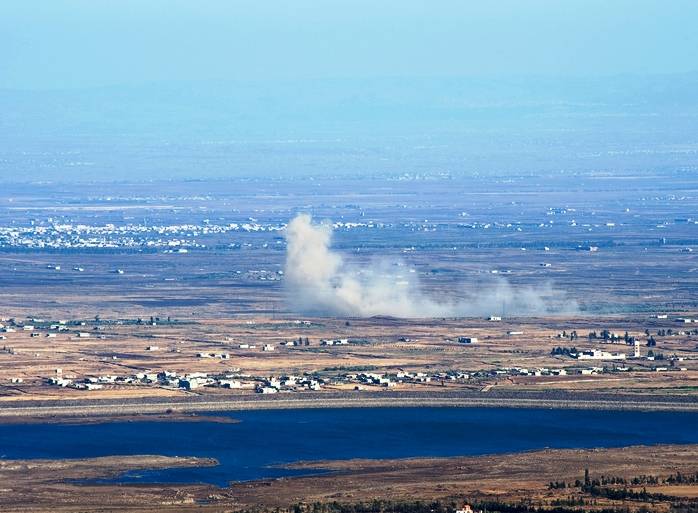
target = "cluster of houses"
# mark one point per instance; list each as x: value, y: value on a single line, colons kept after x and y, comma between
x: 14, y: 327
x: 273, y: 385
x: 300, y: 341
x: 598, y: 354
x: 171, y: 238
x: 371, y: 378
x: 263, y: 385
x: 69, y: 383
x: 389, y: 380
x: 192, y: 380
x: 270, y: 385
x: 545, y: 371
x: 588, y: 371
x: 334, y: 342
x: 233, y: 379
x: 186, y: 381
x: 359, y: 380
x: 51, y: 329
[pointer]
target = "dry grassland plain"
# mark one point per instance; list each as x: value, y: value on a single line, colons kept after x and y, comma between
x: 138, y: 293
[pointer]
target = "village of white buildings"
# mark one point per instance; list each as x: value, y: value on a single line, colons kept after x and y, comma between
x: 580, y: 361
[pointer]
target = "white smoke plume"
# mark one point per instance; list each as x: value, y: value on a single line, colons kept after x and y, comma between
x: 319, y: 281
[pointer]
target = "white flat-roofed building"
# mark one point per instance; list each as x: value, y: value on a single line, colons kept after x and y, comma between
x: 598, y: 354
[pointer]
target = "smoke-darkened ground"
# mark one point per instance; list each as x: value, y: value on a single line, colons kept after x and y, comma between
x: 436, y: 245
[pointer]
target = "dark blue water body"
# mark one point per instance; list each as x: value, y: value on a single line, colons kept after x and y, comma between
x: 249, y: 449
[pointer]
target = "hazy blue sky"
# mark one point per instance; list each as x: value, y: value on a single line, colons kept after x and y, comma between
x: 140, y: 89
x: 75, y: 43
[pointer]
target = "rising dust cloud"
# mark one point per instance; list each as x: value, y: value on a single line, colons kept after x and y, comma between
x: 319, y: 281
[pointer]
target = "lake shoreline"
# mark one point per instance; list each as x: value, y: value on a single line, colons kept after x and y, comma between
x: 191, y: 410
x: 84, y: 419
x: 277, y: 445
x: 503, y: 477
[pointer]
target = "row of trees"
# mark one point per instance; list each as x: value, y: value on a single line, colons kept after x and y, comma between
x: 599, y: 487
x: 564, y: 351
x: 386, y: 506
